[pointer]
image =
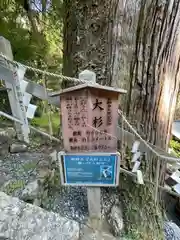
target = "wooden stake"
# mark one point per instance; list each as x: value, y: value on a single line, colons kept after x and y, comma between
x: 15, y: 95
x: 93, y: 193
x: 48, y: 109
x: 157, y: 181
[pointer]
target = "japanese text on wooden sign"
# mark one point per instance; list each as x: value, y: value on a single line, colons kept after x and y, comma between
x: 89, y: 121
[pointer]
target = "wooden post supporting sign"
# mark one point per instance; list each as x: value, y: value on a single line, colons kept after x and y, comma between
x: 89, y: 129
x: 93, y: 193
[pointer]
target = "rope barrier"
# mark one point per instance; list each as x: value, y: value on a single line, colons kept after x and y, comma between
x: 129, y: 173
x: 42, y: 71
x: 84, y: 81
x: 33, y: 128
x: 146, y: 143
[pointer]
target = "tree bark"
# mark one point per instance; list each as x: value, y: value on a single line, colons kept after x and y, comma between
x: 154, y: 72
x: 92, y: 38
x: 134, y: 45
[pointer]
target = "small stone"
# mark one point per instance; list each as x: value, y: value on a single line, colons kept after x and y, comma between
x: 4, y: 150
x: 4, y: 145
x: 115, y: 220
x: 172, y: 231
x: 37, y: 202
x: 9, y: 132
x: 43, y: 174
x: 31, y: 191
x: 3, y: 139
x: 44, y: 164
x: 18, y: 147
x: 53, y: 156
x: 88, y: 233
x: 3, y: 178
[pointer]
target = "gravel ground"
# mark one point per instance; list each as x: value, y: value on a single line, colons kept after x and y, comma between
x: 70, y: 202
x: 19, y: 169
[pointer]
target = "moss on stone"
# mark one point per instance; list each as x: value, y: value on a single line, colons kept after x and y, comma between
x: 13, y: 186
x: 29, y: 166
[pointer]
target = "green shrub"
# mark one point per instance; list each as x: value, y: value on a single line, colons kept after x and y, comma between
x: 175, y: 145
x: 43, y: 122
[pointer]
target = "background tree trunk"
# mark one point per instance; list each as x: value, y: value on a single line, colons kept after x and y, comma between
x: 92, y: 33
x: 134, y: 45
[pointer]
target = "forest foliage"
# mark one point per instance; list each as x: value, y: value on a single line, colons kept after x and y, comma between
x: 35, y: 32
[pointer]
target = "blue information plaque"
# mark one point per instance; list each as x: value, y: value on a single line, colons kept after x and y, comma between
x: 90, y: 169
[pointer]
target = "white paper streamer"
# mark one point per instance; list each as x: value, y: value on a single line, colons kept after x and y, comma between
x: 136, y: 156
x: 135, y: 146
x: 177, y: 188
x: 136, y: 166
x: 23, y: 85
x: 140, y: 177
x: 31, y: 111
x: 20, y: 72
x: 27, y: 98
x: 176, y: 176
x: 175, y: 166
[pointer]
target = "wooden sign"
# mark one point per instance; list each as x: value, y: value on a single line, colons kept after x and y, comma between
x: 89, y: 114
x: 89, y: 118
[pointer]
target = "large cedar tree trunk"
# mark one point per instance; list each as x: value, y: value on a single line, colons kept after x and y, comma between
x: 132, y: 44
x: 154, y: 71
x: 92, y: 32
